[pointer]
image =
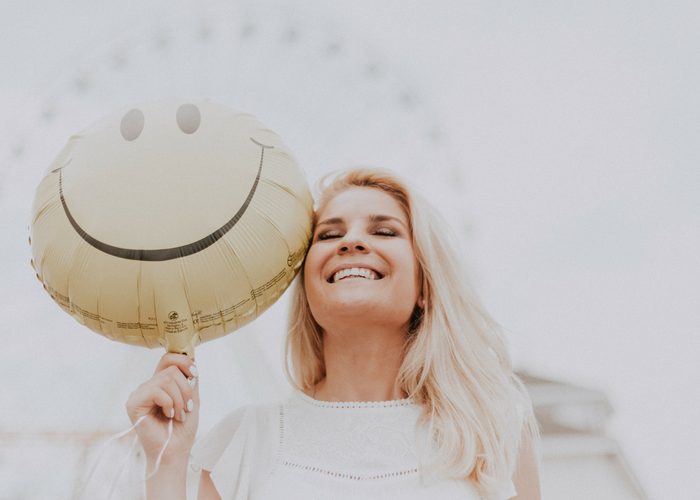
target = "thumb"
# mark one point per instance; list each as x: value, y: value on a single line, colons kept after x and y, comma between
x: 194, y: 383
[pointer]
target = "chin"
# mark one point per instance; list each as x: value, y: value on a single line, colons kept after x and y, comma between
x: 356, y: 310
x: 353, y: 306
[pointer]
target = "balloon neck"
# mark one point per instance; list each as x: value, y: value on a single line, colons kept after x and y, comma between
x: 181, y: 346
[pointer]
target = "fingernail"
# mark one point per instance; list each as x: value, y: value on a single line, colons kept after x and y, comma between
x: 193, y: 371
x: 190, y: 405
x: 172, y: 412
x: 192, y: 381
x: 182, y: 415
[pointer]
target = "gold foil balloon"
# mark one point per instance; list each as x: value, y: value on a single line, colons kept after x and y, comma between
x: 170, y: 224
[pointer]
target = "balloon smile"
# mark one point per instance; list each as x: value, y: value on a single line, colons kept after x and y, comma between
x: 162, y: 254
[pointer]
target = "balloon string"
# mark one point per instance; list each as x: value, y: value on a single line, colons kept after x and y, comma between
x: 122, y: 467
x: 102, y: 451
x: 131, y: 449
x: 162, y: 450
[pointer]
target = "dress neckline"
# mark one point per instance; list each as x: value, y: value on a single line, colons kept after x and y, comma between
x: 392, y: 403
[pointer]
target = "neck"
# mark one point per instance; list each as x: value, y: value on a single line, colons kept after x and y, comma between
x: 362, y: 364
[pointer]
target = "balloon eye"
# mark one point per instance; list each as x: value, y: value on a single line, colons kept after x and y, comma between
x: 132, y: 124
x: 188, y: 118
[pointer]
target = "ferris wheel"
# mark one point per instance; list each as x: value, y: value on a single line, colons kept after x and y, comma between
x: 335, y: 101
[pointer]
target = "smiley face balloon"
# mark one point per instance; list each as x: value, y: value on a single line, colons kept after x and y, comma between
x: 170, y: 224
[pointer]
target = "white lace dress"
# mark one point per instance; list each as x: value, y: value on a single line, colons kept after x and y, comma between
x: 316, y: 450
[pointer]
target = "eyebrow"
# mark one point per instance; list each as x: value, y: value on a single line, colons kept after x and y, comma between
x: 372, y: 218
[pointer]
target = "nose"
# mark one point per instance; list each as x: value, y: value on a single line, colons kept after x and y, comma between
x: 352, y: 246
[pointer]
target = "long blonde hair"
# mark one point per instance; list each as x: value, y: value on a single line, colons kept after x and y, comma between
x: 456, y: 363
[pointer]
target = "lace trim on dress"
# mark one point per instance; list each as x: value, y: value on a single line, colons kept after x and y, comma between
x: 344, y: 475
x: 284, y: 460
x: 356, y: 404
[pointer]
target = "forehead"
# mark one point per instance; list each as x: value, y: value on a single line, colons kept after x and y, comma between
x: 360, y: 202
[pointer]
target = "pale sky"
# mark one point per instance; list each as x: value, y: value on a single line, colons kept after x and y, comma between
x: 567, y: 161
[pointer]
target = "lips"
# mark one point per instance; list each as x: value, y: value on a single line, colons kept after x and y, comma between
x: 354, y: 272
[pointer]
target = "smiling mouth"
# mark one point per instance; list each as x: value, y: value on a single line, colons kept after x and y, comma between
x: 354, y: 273
x: 162, y: 254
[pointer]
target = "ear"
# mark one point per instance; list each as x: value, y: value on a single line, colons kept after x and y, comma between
x: 421, y: 303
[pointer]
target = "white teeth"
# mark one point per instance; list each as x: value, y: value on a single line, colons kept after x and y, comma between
x: 360, y: 272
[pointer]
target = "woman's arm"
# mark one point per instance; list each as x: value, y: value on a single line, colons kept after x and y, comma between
x: 207, y: 490
x: 527, y: 476
x: 165, y: 411
x: 168, y: 482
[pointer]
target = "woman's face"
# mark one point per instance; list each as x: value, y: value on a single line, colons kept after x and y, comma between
x: 361, y: 265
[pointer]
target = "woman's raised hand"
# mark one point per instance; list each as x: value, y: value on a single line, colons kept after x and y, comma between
x: 171, y: 393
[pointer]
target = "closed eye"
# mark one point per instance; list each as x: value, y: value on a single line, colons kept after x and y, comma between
x: 327, y: 235
x: 385, y: 231
x: 334, y: 233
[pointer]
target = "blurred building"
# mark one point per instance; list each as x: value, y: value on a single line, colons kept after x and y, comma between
x: 579, y: 461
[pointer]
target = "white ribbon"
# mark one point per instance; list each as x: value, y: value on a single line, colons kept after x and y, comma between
x: 102, y: 451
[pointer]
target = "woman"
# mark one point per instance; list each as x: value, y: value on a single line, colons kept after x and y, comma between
x: 404, y: 385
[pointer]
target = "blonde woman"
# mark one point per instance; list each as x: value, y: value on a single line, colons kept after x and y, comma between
x: 404, y: 388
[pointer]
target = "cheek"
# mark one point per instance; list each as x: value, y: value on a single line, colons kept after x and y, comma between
x: 409, y: 262
x: 419, y: 275
x: 311, y: 262
x: 416, y: 283
x: 416, y: 278
x: 312, y: 269
x: 307, y: 275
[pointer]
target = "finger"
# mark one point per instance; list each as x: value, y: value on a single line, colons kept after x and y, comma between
x: 145, y: 399
x: 183, y: 362
x: 193, y: 382
x: 187, y: 391
x: 173, y: 390
x: 162, y: 399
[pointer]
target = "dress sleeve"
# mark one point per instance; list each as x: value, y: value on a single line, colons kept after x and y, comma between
x: 227, y: 451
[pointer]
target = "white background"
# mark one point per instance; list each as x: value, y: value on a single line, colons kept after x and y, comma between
x: 576, y: 125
